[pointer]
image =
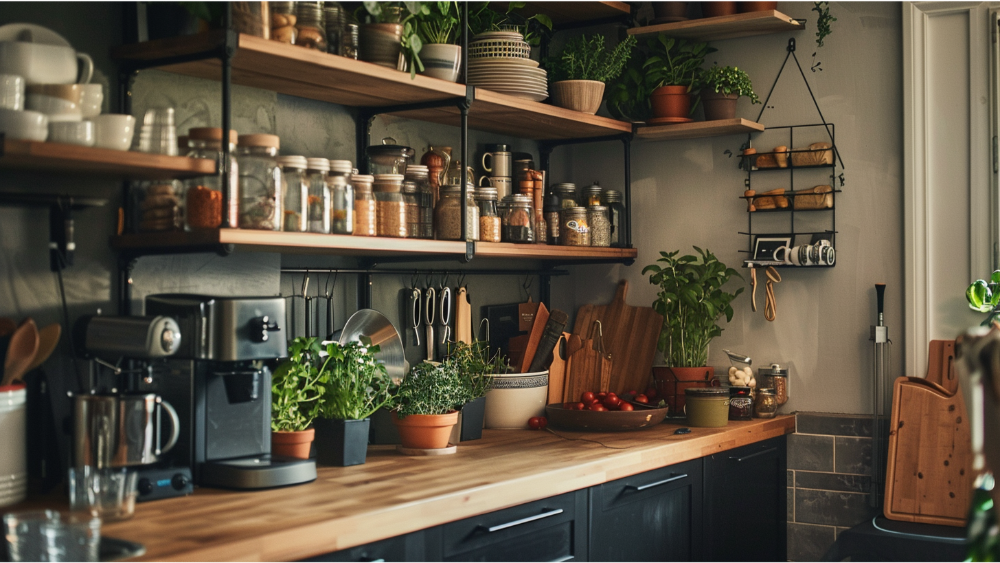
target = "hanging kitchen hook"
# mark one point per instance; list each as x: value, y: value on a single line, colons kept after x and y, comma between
x: 461, y: 280
x: 309, y: 315
x: 445, y: 314
x: 485, y: 321
x: 330, y: 288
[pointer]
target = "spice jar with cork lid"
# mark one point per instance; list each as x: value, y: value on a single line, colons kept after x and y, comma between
x: 295, y: 186
x: 204, y: 195
x: 365, y: 213
x: 341, y: 197
x: 489, y: 217
x: 260, y: 182
x: 390, y: 205
x: 519, y: 221
x: 319, y: 195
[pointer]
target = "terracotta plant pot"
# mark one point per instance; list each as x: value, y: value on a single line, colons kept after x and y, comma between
x: 292, y: 444
x: 745, y: 7
x: 341, y: 443
x: 379, y: 43
x: 718, y: 105
x: 584, y: 96
x: 670, y: 11
x: 425, y: 431
x: 671, y: 101
x: 441, y: 61
x: 716, y: 9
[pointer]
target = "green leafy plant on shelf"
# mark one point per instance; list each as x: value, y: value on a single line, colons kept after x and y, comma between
x: 404, y: 13
x: 729, y: 80
x: 675, y: 62
x: 439, y: 23
x: 587, y: 58
x: 691, y: 298
x: 483, y: 18
x: 355, y: 383
x: 984, y: 296
x: 297, y: 387
x: 430, y: 389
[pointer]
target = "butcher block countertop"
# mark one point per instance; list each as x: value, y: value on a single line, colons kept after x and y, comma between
x: 392, y: 494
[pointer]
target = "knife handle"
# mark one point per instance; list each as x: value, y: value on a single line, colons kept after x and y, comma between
x: 550, y: 337
x: 880, y: 294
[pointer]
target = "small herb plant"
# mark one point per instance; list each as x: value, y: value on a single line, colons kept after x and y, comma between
x: 587, y: 58
x: 823, y: 21
x: 675, y: 62
x: 476, y: 365
x: 355, y: 383
x: 482, y: 18
x: 296, y: 388
x: 430, y: 389
x: 690, y: 298
x: 438, y: 23
x: 729, y: 80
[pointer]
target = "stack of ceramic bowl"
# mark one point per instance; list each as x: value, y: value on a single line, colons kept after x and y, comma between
x: 499, y: 61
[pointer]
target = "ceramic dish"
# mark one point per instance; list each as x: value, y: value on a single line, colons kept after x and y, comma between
x: 515, y: 398
x: 603, y: 421
x: 485, y: 61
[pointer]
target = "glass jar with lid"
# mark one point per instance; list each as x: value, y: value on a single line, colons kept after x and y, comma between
x: 260, y: 182
x: 341, y: 197
x: 566, y: 192
x: 333, y: 15
x: 295, y: 186
x: 765, y: 404
x: 448, y: 213
x: 156, y: 206
x: 590, y: 195
x: 365, y: 213
x: 420, y: 175
x: 551, y: 210
x: 283, y: 21
x: 411, y: 197
x: 519, y: 220
x: 573, y: 228
x: 775, y: 377
x: 310, y: 26
x: 616, y: 215
x: 600, y: 227
x: 204, y: 195
x: 319, y: 195
x: 489, y: 216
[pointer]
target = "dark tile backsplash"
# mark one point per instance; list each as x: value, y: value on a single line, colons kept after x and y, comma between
x: 833, y: 424
x: 807, y: 542
x: 832, y: 482
x: 831, y: 508
x: 853, y: 455
x: 811, y: 453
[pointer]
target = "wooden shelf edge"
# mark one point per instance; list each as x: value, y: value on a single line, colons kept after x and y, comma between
x: 551, y: 252
x: 725, y: 27
x: 697, y: 129
x: 46, y: 156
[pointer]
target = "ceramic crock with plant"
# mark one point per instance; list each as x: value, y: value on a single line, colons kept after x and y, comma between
x: 721, y: 87
x: 355, y: 385
x: 578, y: 74
x: 389, y: 35
x: 296, y: 389
x: 427, y: 403
x: 691, y: 297
x: 476, y: 365
x: 673, y: 71
x: 437, y: 26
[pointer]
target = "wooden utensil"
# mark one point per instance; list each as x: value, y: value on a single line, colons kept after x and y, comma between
x: 535, y: 336
x: 589, y: 366
x: 48, y: 339
x: 7, y: 326
x: 571, y: 391
x: 20, y: 353
x: 557, y: 370
x: 463, y: 316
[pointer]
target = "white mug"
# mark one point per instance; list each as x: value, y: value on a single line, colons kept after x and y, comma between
x: 114, y: 131
x: 72, y: 132
x: 825, y: 254
x: 91, y: 99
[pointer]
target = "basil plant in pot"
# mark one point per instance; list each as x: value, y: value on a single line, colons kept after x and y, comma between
x: 673, y: 72
x: 691, y: 298
x: 355, y: 386
x: 296, y: 388
x: 426, y: 406
x: 437, y: 26
x: 722, y: 86
x: 579, y: 73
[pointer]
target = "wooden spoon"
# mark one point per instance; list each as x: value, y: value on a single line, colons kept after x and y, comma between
x: 7, y: 326
x: 20, y: 353
x: 48, y: 339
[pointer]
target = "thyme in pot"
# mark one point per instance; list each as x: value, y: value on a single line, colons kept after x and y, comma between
x: 587, y: 58
x: 476, y: 365
x: 430, y: 389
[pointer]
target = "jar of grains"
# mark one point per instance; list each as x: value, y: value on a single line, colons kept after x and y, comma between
x: 616, y: 214
x: 518, y: 225
x: 420, y: 175
x: 411, y: 198
x: 448, y: 213
x: 260, y: 182
x: 295, y: 186
x: 283, y: 21
x: 573, y: 228
x: 159, y: 204
x: 489, y: 218
x: 365, y: 214
x: 567, y: 194
x: 600, y: 226
x: 310, y: 26
x: 319, y: 195
x: 590, y: 195
x: 204, y: 197
x: 341, y: 197
x: 389, y: 204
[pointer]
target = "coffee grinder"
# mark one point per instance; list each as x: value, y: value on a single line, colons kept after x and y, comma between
x: 221, y: 389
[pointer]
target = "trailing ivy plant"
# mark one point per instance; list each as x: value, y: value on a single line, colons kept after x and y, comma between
x: 587, y: 58
x: 729, y: 80
x: 823, y: 21
x: 355, y: 383
x: 430, y: 389
x: 691, y: 298
x: 296, y: 387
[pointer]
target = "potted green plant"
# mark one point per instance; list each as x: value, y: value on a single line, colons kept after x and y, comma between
x: 437, y: 25
x: 355, y: 385
x: 389, y: 35
x: 483, y: 18
x: 476, y: 366
x: 296, y: 388
x: 691, y: 298
x: 578, y: 74
x: 721, y: 87
x: 673, y: 69
x: 427, y: 403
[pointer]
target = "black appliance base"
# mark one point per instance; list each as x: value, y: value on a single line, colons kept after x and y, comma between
x: 260, y: 472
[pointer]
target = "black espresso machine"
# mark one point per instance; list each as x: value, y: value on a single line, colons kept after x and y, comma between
x: 221, y: 389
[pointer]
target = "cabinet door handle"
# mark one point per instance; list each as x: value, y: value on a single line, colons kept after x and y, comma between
x: 673, y: 477
x: 566, y: 558
x: 513, y: 523
x: 753, y: 455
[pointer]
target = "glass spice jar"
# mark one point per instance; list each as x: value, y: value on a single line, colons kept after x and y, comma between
x: 519, y: 220
x: 341, y: 197
x: 489, y: 217
x: 775, y: 377
x: 612, y: 199
x: 310, y: 26
x: 158, y: 206
x: 551, y: 210
x: 333, y: 15
x: 600, y: 227
x: 420, y: 175
x: 349, y: 39
x: 740, y: 403
x: 765, y: 404
x: 295, y: 186
x: 573, y: 228
x: 319, y: 195
x: 260, y: 182
x: 591, y: 195
x: 448, y: 214
x: 566, y: 192
x: 411, y: 196
x: 204, y: 197
x: 283, y: 20
x: 365, y: 213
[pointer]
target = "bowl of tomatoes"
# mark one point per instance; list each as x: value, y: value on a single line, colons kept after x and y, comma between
x: 603, y: 412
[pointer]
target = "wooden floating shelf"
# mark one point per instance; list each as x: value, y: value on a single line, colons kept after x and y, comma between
x: 725, y: 27
x: 75, y: 159
x: 552, y: 252
x: 302, y: 72
x: 697, y: 129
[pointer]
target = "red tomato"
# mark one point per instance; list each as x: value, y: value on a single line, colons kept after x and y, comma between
x: 640, y: 398
x: 625, y: 406
x: 601, y: 396
x: 537, y: 422
x: 542, y: 422
x: 579, y: 406
x: 633, y: 393
x: 587, y: 398
x: 612, y: 401
x: 597, y: 407
x: 612, y: 394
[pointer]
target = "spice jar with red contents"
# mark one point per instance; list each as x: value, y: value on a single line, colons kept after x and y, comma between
x: 204, y: 195
x: 295, y: 186
x: 260, y: 182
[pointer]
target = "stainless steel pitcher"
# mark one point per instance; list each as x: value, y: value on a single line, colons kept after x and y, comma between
x: 121, y: 430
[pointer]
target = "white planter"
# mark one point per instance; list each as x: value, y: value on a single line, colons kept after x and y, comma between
x: 515, y: 398
x: 441, y: 61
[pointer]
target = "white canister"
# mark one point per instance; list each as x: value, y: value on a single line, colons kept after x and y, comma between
x: 13, y: 435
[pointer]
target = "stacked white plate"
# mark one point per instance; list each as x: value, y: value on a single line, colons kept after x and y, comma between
x: 503, y: 70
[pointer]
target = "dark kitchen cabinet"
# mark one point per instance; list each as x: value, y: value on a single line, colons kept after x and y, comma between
x: 745, y: 506
x: 652, y: 516
x: 408, y: 547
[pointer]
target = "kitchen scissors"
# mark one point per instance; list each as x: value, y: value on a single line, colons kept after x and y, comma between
x: 430, y: 308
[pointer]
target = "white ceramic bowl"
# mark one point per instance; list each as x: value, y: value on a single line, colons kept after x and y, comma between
x: 24, y: 125
x: 91, y: 100
x: 515, y: 398
x: 114, y: 131
x: 72, y: 133
x: 11, y: 91
x: 58, y: 109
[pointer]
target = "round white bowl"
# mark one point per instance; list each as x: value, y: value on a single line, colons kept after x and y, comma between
x: 24, y: 125
x: 72, y: 133
x: 515, y: 398
x: 114, y: 131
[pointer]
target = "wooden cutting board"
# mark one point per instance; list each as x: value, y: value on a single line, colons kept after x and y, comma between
x: 941, y: 365
x: 557, y: 371
x: 929, y: 473
x: 586, y: 368
x: 535, y: 336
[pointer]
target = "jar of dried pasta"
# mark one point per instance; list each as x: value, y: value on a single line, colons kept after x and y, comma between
x: 573, y: 228
x: 365, y: 214
x: 295, y: 186
x: 283, y: 20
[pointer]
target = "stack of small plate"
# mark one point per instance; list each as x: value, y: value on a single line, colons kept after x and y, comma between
x: 498, y: 62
